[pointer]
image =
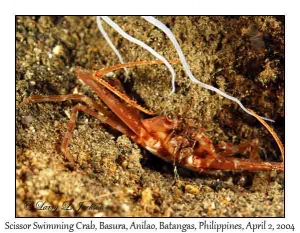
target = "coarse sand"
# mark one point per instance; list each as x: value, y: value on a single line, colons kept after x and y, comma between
x: 243, y: 56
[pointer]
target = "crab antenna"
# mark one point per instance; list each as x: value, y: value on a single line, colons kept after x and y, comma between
x: 108, y: 40
x: 171, y: 36
x: 186, y: 67
x: 140, y: 43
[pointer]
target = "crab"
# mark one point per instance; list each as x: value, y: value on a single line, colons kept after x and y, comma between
x: 168, y: 138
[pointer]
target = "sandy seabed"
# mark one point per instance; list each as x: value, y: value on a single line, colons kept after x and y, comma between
x: 244, y: 56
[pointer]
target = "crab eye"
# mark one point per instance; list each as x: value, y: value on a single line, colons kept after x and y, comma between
x: 170, y: 116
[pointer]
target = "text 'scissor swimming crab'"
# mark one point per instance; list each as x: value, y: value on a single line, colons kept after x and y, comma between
x: 161, y: 136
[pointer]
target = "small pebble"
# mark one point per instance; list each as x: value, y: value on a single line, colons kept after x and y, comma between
x: 191, y: 189
x: 100, y: 214
x: 125, y: 207
x: 57, y: 50
x: 146, y: 196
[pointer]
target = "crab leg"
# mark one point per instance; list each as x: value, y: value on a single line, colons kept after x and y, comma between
x: 101, y: 73
x: 126, y: 113
x: 98, y: 115
x: 71, y: 126
x: 102, y: 115
x: 229, y: 163
x: 123, y: 112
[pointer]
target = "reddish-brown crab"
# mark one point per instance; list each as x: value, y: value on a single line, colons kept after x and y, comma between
x: 161, y: 136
